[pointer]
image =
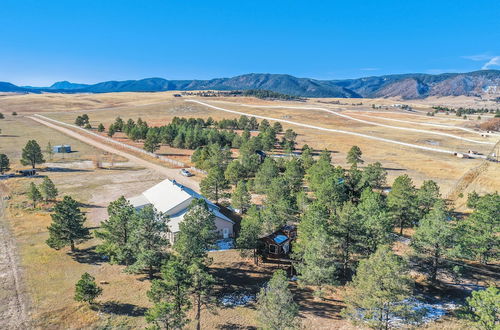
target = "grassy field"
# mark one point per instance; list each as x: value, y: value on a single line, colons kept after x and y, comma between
x: 420, y: 165
x: 51, y: 275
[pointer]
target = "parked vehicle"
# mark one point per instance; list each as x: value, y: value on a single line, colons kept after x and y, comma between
x: 186, y: 172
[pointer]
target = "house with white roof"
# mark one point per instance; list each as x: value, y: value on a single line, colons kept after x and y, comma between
x: 174, y: 199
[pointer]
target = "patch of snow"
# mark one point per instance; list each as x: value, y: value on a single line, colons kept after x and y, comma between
x: 237, y: 299
x: 429, y: 312
x: 223, y: 245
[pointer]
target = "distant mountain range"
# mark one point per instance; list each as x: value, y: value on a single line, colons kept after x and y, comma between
x: 406, y: 86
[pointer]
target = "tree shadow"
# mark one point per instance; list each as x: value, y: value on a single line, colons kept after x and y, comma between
x: 64, y: 170
x: 234, y: 326
x: 90, y: 206
x: 87, y: 256
x: 118, y: 308
x: 393, y: 169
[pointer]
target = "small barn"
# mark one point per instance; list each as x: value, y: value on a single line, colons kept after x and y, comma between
x: 62, y: 149
x: 278, y: 244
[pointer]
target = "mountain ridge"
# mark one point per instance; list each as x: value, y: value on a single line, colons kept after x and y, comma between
x: 406, y: 86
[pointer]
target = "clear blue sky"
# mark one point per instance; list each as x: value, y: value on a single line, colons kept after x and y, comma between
x: 42, y: 41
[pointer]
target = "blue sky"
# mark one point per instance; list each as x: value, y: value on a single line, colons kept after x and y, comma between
x: 95, y: 40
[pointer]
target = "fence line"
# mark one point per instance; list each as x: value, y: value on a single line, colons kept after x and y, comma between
x: 124, y: 145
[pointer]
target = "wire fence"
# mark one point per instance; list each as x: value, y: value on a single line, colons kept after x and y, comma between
x: 123, y: 145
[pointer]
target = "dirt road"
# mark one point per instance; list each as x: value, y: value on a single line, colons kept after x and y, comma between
x: 172, y: 174
x: 336, y: 113
x: 13, y: 303
x: 371, y: 137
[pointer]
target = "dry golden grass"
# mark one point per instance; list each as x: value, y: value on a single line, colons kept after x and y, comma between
x: 51, y: 275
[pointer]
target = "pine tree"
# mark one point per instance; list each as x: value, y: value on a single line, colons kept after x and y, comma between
x: 250, y: 232
x: 197, y: 232
x: 214, y: 185
x: 4, y: 163
x: 67, y: 225
x: 483, y: 308
x: 48, y: 189
x: 314, y: 249
x: 347, y: 236
x: 32, y: 154
x: 100, y: 128
x: 152, y: 142
x: 478, y: 237
x: 288, y: 141
x: 375, y: 176
x: 434, y: 238
x: 241, y: 198
x: 275, y: 306
x: 116, y: 232
x: 34, y: 194
x: 86, y: 289
x: 376, y: 221
x: 170, y: 296
x: 234, y: 172
x: 306, y: 158
x: 266, y: 173
x: 111, y: 130
x: 148, y: 241
x: 201, y: 287
x: 377, y: 290
x: 427, y: 196
x: 354, y: 156
x: 402, y: 202
x: 293, y: 175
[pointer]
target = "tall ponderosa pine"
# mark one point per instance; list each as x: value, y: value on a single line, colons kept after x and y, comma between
x: 314, y: 249
x: 170, y: 296
x: 266, y: 173
x: 197, y: 232
x: 427, y: 196
x: 32, y: 154
x: 380, y: 285
x: 347, y: 236
x: 306, y: 158
x: 48, y: 189
x: 86, y: 289
x: 402, y: 202
x: 241, y: 198
x: 376, y: 222
x: 293, y: 175
x: 116, y: 232
x: 67, y: 225
x: 478, y: 236
x: 201, y: 287
x: 148, y: 241
x: 234, y: 172
x: 434, y: 238
x: 214, y: 186
x: 250, y: 232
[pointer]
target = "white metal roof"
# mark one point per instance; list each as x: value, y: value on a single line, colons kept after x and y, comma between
x: 167, y: 195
